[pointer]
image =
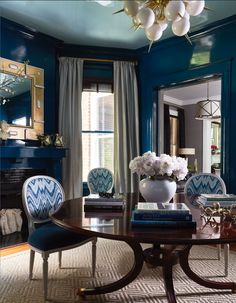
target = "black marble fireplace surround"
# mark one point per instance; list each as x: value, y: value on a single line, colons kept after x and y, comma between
x: 19, y: 161
x: 11, y: 182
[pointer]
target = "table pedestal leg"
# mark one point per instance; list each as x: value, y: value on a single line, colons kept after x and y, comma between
x: 128, y: 278
x: 183, y: 259
x: 167, y: 270
x: 166, y: 257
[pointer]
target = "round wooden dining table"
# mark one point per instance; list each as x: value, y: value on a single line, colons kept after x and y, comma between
x: 169, y: 246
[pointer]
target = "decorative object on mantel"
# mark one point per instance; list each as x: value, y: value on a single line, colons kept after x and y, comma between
x: 45, y: 140
x: 154, y: 16
x: 51, y: 140
x: 4, y: 134
x: 58, y: 141
x: 162, y: 173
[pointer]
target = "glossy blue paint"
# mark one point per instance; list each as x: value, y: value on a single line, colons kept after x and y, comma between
x: 173, y: 61
x: 19, y: 43
x: 48, y: 158
x: 97, y: 70
x: 80, y: 51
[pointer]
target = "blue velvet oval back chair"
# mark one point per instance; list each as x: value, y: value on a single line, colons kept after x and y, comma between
x: 204, y: 183
x: 43, y: 195
x: 100, y: 180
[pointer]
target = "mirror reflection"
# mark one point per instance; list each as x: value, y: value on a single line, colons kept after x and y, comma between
x: 16, y: 99
x: 185, y: 133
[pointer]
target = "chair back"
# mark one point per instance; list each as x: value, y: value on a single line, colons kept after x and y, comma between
x: 100, y: 180
x: 41, y: 195
x: 204, y: 183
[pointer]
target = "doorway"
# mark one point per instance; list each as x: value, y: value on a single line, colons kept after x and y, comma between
x: 179, y: 129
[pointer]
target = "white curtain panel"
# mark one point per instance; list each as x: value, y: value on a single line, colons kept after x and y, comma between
x: 70, y: 124
x: 126, y: 126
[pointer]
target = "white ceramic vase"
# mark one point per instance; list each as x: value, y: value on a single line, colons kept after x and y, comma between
x: 161, y: 190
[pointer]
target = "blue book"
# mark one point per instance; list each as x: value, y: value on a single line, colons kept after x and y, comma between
x: 164, y: 208
x: 160, y: 216
x: 163, y: 223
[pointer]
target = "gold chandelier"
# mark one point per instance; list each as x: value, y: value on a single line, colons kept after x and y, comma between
x: 155, y: 15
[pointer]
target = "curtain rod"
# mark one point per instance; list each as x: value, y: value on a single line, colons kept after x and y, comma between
x: 106, y: 60
x: 103, y: 60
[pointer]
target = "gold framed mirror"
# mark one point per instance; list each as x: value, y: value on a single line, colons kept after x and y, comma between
x: 22, y: 99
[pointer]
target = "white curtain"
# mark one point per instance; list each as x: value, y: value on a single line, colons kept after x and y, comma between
x: 126, y: 126
x: 70, y: 124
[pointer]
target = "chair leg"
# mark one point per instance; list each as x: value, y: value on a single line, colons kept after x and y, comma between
x: 218, y: 251
x: 59, y: 258
x: 31, y: 264
x: 45, y: 275
x: 226, y: 257
x: 94, y: 249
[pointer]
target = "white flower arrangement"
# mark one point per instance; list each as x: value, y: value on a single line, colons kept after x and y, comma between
x: 160, y: 167
x: 4, y: 126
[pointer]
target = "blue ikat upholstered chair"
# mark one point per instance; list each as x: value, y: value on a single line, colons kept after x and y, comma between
x: 43, y: 195
x: 100, y: 180
x: 204, y: 183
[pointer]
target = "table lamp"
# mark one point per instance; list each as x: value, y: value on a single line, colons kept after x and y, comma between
x: 185, y: 152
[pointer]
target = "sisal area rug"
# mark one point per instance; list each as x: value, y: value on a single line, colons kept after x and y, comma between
x: 113, y: 260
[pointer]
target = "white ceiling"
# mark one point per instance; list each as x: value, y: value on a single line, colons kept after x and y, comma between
x: 86, y: 22
x: 193, y: 93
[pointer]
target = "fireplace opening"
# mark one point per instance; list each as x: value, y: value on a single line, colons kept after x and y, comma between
x: 11, y: 183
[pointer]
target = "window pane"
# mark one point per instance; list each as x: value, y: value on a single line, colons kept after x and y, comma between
x: 97, y: 111
x: 97, y: 152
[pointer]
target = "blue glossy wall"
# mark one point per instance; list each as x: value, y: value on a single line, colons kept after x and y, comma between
x: 19, y: 43
x: 173, y: 60
x: 212, y: 51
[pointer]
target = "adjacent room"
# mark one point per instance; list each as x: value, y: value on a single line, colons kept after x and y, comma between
x: 117, y: 148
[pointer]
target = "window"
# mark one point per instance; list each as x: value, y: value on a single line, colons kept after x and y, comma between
x: 97, y: 130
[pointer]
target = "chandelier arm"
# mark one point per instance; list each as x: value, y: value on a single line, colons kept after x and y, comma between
x: 208, y: 9
x: 150, y: 46
x: 120, y: 11
x: 188, y: 38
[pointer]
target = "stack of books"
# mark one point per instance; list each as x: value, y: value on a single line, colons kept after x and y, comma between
x: 94, y: 202
x: 225, y: 200
x: 152, y: 214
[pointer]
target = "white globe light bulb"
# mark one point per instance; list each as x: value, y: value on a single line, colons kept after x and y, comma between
x: 186, y: 15
x: 145, y: 17
x: 181, y: 27
x: 131, y: 8
x: 163, y: 24
x: 195, y: 8
x: 154, y: 32
x: 174, y: 10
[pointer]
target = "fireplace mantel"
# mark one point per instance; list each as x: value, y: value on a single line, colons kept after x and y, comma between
x: 48, y: 158
x: 32, y: 152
